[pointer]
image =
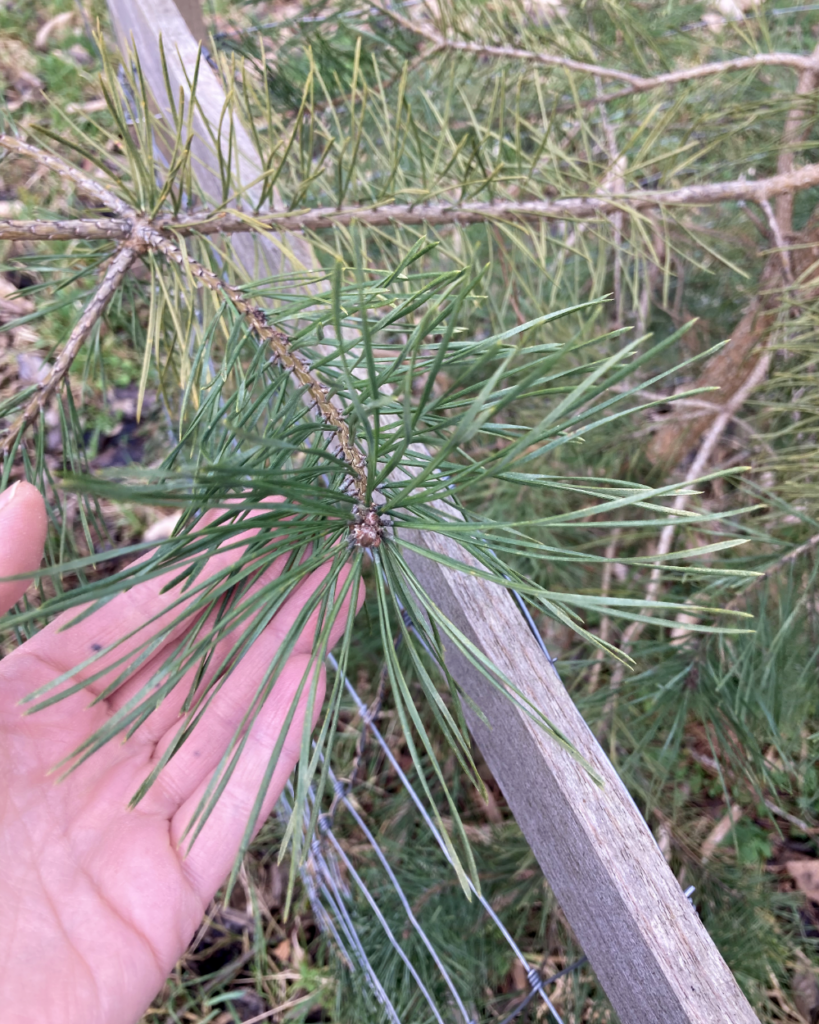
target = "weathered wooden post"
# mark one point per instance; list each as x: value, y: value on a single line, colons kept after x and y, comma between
x: 644, y: 939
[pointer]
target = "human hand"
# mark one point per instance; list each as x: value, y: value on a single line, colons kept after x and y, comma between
x: 98, y: 900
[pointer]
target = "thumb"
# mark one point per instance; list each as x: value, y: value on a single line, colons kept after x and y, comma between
x: 23, y: 524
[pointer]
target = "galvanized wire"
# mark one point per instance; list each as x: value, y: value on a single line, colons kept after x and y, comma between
x: 330, y: 897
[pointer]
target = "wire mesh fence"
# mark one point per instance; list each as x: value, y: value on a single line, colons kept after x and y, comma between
x: 338, y: 891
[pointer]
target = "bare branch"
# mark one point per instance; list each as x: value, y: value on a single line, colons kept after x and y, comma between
x: 614, y: 182
x: 64, y: 230
x: 636, y: 83
x: 605, y: 622
x: 434, y: 214
x: 65, y: 170
x: 581, y: 207
x: 111, y: 281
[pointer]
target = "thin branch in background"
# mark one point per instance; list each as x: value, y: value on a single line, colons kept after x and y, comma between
x: 614, y: 182
x: 633, y: 631
x: 695, y: 404
x: 796, y: 124
x: 111, y: 281
x: 605, y: 623
x: 772, y: 570
x: 636, y: 83
x: 778, y: 237
x: 714, y: 766
x: 757, y: 222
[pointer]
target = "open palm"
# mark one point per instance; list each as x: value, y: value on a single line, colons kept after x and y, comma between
x: 98, y: 901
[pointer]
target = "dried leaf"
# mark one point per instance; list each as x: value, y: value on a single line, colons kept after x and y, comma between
x: 282, y: 951
x: 79, y: 55
x: 806, y: 875
x: 55, y: 26
x: 161, y: 529
x: 15, y: 57
x: 719, y: 832
x: 298, y: 952
x: 89, y: 107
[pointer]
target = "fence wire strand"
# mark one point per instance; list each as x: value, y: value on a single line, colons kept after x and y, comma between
x: 330, y: 896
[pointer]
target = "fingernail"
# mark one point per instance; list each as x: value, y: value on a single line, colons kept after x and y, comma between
x: 7, y: 497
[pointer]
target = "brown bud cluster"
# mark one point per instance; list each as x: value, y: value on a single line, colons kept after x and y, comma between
x: 368, y: 530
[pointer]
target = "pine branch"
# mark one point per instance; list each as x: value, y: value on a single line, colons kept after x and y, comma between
x: 294, y: 363
x: 636, y: 83
x: 111, y: 281
x: 433, y: 214
x: 104, y: 229
x: 141, y: 236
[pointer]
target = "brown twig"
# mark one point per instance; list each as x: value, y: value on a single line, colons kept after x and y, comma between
x: 693, y: 404
x: 117, y: 269
x: 635, y: 83
x: 65, y: 170
x: 434, y: 214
